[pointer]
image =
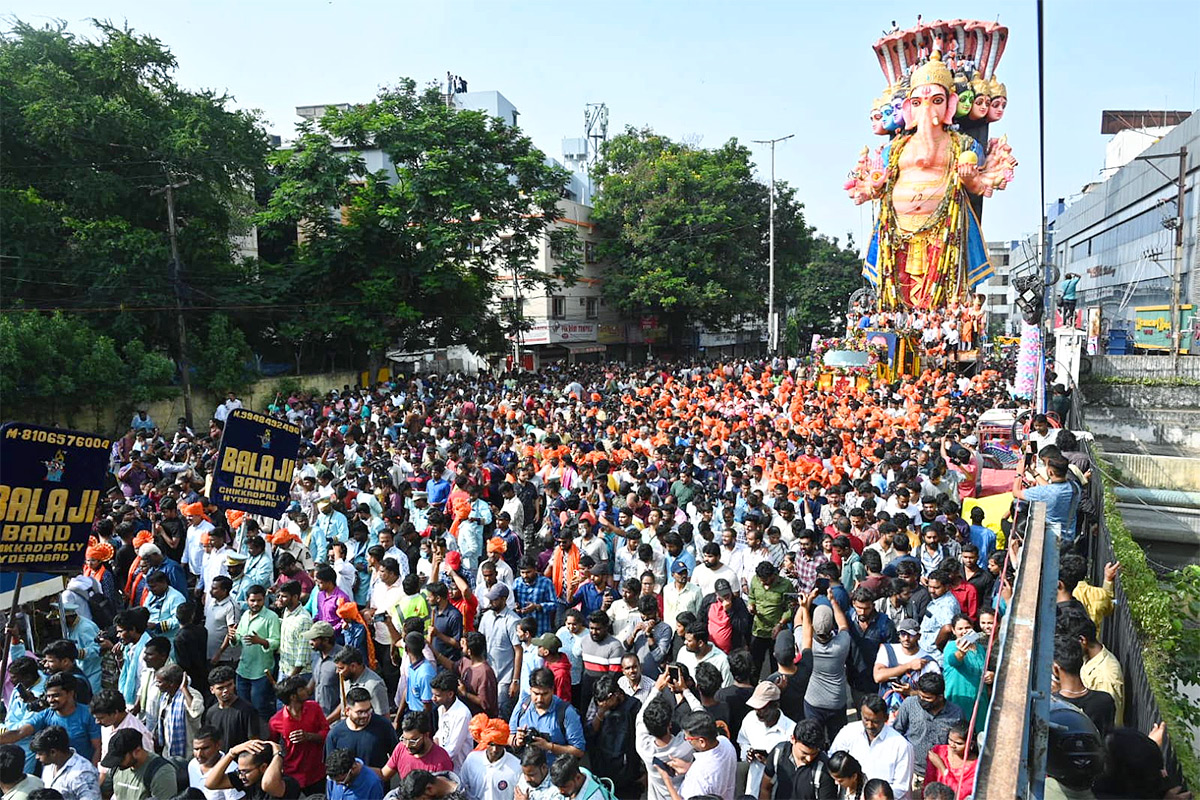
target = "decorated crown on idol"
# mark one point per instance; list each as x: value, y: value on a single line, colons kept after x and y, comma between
x: 960, y: 55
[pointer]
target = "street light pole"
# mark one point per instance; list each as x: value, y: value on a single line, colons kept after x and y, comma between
x: 772, y: 327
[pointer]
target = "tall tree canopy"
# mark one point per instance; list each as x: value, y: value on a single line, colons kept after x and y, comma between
x: 461, y: 201
x: 686, y: 230
x: 91, y: 128
x: 823, y: 287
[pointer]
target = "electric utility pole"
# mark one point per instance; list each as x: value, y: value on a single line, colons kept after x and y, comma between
x: 1181, y: 186
x: 772, y: 326
x: 180, y: 327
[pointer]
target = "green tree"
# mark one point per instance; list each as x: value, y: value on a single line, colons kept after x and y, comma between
x: 53, y: 365
x: 686, y: 230
x: 222, y: 358
x: 820, y: 290
x: 411, y: 253
x: 91, y: 128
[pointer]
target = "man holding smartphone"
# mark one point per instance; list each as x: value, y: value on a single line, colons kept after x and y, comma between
x: 762, y: 729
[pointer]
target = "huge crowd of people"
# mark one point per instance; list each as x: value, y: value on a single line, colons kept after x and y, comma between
x: 670, y: 581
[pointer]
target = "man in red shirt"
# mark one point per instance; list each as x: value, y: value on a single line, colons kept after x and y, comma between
x: 416, y: 750
x: 727, y: 617
x: 965, y: 593
x: 548, y: 646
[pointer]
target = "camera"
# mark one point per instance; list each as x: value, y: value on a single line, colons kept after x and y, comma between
x: 34, y: 702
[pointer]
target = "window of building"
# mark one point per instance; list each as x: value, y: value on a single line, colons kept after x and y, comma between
x: 558, y: 307
x: 593, y: 307
x: 589, y: 253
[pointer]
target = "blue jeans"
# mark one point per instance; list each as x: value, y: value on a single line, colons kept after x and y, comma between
x: 258, y: 693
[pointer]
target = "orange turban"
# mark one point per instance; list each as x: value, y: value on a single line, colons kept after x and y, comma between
x: 206, y: 538
x: 348, y: 610
x: 495, y: 732
x: 477, y: 726
x: 233, y: 517
x: 145, y: 537
x: 282, y: 536
x: 193, y: 510
x: 496, y: 545
x: 99, y: 551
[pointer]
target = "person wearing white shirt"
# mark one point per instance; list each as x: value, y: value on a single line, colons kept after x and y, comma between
x: 231, y: 403
x: 763, y: 728
x: 109, y: 709
x: 882, y: 752
x: 1042, y: 434
x: 213, y: 565
x: 535, y: 783
x: 513, y: 508
x: 653, y: 739
x: 713, y: 768
x: 193, y: 546
x: 344, y: 569
x: 633, y: 681
x: 504, y: 573
x: 753, y: 554
x: 624, y: 611
x: 64, y: 770
x: 454, y: 718
x: 206, y: 753
x: 680, y: 595
x: 628, y: 565
x: 707, y: 574
x: 491, y: 773
x: 733, y: 554
x: 697, y: 649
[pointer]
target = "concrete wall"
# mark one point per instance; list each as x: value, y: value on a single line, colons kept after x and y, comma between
x: 1133, y: 396
x: 112, y: 421
x: 1158, y: 472
x: 1146, y: 366
x: 1180, y: 427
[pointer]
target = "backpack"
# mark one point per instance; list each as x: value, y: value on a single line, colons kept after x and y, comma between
x: 776, y: 759
x: 102, y: 609
x: 182, y: 779
x: 890, y: 696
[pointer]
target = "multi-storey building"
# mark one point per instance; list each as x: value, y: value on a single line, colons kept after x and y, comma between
x: 1119, y: 235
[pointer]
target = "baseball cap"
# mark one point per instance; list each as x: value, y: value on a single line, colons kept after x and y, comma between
x: 548, y: 641
x: 320, y: 630
x: 766, y: 692
x: 680, y: 567
x: 722, y: 588
x: 823, y: 623
x: 497, y: 593
x: 122, y: 743
x: 908, y: 626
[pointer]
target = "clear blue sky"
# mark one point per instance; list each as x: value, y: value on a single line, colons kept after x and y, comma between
x: 703, y: 69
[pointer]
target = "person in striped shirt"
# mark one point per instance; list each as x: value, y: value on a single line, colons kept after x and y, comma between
x: 602, y: 654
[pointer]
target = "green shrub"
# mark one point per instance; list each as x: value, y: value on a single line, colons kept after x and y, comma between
x: 1166, y: 622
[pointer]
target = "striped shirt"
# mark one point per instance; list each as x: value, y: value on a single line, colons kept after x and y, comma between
x: 294, y: 648
x: 602, y: 656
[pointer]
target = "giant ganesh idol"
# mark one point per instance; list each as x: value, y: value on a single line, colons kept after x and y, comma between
x: 928, y: 180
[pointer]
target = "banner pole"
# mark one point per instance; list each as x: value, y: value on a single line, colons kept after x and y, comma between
x: 12, y: 615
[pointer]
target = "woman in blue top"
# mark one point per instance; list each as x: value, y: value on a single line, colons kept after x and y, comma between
x: 964, y: 668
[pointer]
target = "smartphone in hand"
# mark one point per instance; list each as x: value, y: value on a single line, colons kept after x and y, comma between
x: 658, y: 762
